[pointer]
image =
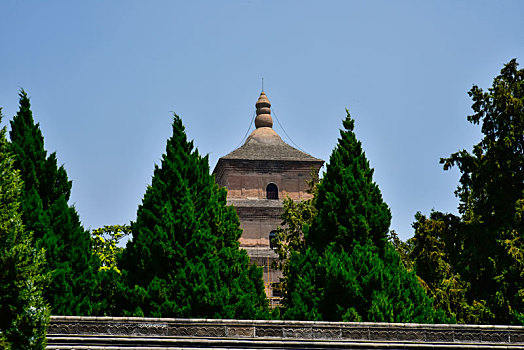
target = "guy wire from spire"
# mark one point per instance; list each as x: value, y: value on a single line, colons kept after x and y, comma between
x: 284, y: 130
x: 249, y: 128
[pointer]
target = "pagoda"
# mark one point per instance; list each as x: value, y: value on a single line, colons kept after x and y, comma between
x: 258, y: 176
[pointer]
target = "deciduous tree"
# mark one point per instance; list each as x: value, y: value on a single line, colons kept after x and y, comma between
x: 108, y: 296
x: 437, y: 256
x: 491, y: 192
x: 297, y: 217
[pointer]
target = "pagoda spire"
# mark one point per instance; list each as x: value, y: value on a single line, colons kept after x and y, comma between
x: 263, y: 106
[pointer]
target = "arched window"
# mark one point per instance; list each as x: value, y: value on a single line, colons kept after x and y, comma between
x: 271, y: 191
x: 272, y: 236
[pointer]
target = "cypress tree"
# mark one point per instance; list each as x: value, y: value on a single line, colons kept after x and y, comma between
x: 348, y: 270
x: 350, y: 205
x: 24, y: 316
x: 184, y: 258
x: 46, y: 212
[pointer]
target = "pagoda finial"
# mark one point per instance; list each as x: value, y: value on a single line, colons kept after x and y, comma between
x: 263, y: 106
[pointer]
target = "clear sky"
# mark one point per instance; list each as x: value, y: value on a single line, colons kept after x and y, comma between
x: 105, y: 76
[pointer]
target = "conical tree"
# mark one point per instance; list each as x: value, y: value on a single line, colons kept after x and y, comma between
x: 349, y: 203
x: 184, y: 258
x: 55, y: 224
x: 23, y: 313
x: 348, y: 270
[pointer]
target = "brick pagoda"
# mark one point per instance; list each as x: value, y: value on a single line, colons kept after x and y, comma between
x: 258, y: 176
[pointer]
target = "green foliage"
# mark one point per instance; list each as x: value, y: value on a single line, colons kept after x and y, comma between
x: 108, y: 294
x: 24, y: 316
x: 301, y: 286
x: 475, y: 262
x: 184, y: 258
x: 55, y: 224
x: 434, y: 258
x: 437, y: 255
x: 347, y: 270
x: 363, y: 285
x: 297, y: 217
x: 105, y: 245
x: 350, y: 206
x: 370, y: 286
x: 404, y: 249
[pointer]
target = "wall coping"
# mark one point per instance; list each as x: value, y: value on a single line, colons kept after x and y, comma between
x: 286, y: 331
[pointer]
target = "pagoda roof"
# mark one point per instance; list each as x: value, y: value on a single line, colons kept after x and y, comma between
x: 264, y: 143
x: 267, y: 145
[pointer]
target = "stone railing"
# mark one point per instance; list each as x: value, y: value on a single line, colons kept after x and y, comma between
x: 71, y: 332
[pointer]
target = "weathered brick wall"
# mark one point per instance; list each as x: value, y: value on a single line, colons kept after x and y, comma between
x: 257, y: 222
x: 246, y: 182
x: 248, y: 179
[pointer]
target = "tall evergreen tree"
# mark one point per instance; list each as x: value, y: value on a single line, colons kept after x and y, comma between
x: 350, y: 205
x: 55, y: 224
x: 489, y: 243
x: 348, y: 270
x: 24, y: 316
x: 184, y: 258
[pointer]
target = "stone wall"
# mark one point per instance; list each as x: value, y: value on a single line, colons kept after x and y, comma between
x: 68, y: 332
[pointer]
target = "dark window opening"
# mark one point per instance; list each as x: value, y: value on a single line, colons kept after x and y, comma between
x: 277, y: 289
x: 272, y: 238
x: 272, y: 191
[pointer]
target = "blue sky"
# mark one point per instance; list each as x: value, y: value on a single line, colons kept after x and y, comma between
x: 105, y: 76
